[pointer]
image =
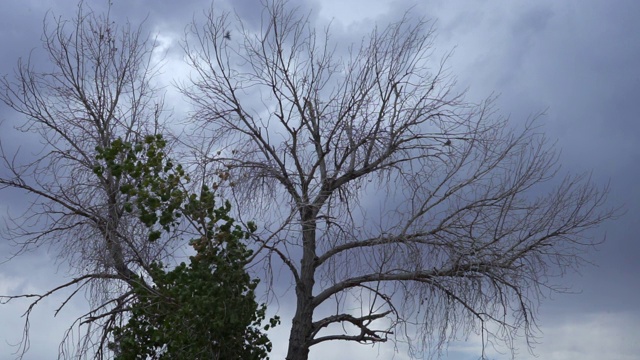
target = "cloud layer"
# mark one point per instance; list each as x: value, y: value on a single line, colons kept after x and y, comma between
x: 574, y: 60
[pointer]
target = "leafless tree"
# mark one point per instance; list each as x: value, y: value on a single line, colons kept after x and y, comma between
x: 377, y: 183
x: 98, y: 88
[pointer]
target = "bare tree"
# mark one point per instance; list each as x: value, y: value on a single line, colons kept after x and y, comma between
x: 99, y: 88
x: 377, y: 183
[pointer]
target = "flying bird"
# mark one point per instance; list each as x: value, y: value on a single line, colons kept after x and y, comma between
x: 227, y: 35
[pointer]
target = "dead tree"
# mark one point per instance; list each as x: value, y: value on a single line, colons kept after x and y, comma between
x: 376, y: 182
x: 95, y: 88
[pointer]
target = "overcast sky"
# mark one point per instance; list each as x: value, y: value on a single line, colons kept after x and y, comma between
x: 577, y: 60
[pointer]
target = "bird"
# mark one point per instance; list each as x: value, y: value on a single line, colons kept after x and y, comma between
x: 227, y: 35
x: 448, y: 143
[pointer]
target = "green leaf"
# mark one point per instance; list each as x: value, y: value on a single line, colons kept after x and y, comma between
x: 206, y: 305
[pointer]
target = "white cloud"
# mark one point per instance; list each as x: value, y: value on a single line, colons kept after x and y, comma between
x: 587, y: 336
x: 595, y: 336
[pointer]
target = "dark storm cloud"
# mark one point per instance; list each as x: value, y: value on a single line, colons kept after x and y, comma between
x: 578, y: 60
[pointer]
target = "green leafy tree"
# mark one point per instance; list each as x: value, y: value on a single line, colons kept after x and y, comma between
x: 206, y: 309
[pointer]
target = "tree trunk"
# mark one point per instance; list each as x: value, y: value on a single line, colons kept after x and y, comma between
x: 302, y: 323
x: 300, y: 329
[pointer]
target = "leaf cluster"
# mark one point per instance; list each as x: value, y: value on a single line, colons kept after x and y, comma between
x: 151, y: 182
x: 202, y: 310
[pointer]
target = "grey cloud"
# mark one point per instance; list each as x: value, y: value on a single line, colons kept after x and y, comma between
x: 578, y: 59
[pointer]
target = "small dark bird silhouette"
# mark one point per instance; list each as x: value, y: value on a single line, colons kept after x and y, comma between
x: 227, y: 35
x: 448, y: 143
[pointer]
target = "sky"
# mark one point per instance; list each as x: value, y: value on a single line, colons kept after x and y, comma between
x: 574, y: 60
